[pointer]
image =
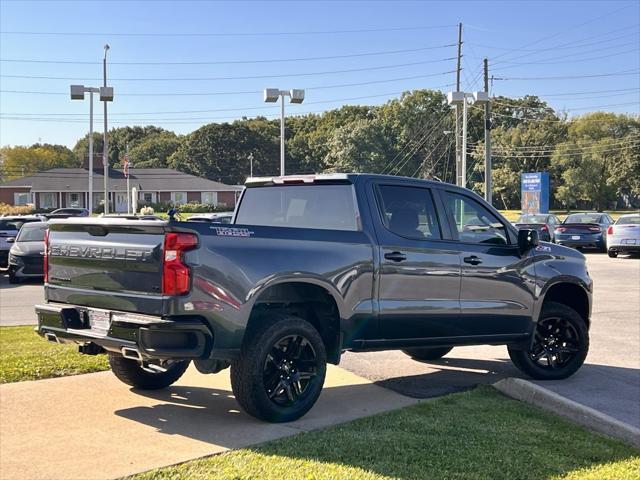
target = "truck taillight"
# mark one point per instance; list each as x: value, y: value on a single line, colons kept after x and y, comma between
x: 610, y: 230
x: 176, y: 276
x: 45, y: 266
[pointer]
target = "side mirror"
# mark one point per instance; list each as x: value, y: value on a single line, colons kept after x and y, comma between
x: 11, y: 240
x: 527, y: 239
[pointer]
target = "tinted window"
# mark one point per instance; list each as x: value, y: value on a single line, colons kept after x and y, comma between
x: 474, y: 223
x: 409, y: 212
x: 326, y: 207
x: 15, y: 224
x: 628, y: 221
x: 32, y: 233
x: 533, y: 219
x: 583, y: 218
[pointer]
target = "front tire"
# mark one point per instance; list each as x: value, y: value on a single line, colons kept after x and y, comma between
x: 559, y: 347
x: 281, y: 369
x: 427, y: 353
x: 132, y: 373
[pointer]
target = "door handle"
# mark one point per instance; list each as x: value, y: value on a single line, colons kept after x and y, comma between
x: 395, y: 256
x: 473, y: 260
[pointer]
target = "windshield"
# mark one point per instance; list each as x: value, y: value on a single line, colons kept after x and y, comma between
x: 635, y: 220
x: 32, y: 233
x: 583, y: 218
x: 532, y: 219
x: 13, y: 225
x: 327, y: 207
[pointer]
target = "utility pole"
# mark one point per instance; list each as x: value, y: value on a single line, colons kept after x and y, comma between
x: 105, y: 149
x: 487, y: 137
x: 457, y: 111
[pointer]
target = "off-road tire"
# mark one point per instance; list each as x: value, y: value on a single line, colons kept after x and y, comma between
x: 248, y: 370
x: 524, y: 360
x: 427, y: 353
x: 130, y: 372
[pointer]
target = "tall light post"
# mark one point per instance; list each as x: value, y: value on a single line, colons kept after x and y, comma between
x: 77, y: 93
x: 462, y: 98
x: 105, y: 147
x: 271, y: 95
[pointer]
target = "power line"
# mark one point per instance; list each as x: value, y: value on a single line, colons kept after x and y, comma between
x: 246, y: 77
x: 573, y: 77
x: 247, y: 92
x: 235, y: 62
x: 222, y: 34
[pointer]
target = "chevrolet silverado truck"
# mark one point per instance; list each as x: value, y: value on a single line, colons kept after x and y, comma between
x: 311, y: 267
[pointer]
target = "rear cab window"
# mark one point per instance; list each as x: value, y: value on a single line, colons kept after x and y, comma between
x: 408, y: 212
x: 318, y: 206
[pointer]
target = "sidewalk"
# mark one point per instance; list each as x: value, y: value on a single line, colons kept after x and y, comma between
x: 93, y: 426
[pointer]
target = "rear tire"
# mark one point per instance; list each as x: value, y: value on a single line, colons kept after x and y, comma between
x: 281, y: 369
x: 612, y: 254
x: 131, y: 372
x: 427, y: 353
x: 559, y: 347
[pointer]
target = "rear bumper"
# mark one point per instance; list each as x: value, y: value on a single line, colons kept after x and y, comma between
x: 151, y: 337
x: 624, y: 248
x: 585, y: 241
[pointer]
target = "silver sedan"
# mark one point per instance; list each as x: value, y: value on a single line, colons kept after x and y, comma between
x: 624, y: 235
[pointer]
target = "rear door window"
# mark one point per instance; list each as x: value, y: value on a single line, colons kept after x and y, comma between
x: 325, y: 207
x: 409, y: 212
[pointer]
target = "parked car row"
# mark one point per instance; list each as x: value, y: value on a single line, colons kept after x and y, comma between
x: 595, y: 230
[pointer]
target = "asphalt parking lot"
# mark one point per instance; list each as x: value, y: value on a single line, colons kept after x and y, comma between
x: 609, y: 381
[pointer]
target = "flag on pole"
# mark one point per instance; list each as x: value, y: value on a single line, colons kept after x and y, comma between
x: 125, y: 168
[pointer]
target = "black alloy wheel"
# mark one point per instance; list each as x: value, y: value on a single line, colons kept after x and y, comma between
x: 556, y: 343
x: 559, y: 346
x: 279, y: 373
x: 289, y: 370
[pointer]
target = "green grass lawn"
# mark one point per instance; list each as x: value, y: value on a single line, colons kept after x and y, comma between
x: 473, y: 435
x: 24, y: 355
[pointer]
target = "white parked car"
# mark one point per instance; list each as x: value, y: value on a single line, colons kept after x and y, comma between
x: 624, y: 235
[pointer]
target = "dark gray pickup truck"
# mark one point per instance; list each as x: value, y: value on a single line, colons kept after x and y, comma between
x: 313, y: 266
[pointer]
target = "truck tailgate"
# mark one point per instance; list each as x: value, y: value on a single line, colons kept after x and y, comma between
x: 91, y: 261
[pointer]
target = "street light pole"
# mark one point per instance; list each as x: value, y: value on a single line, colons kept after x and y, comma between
x: 281, y: 135
x: 272, y: 95
x: 77, y: 93
x: 90, y: 200
x: 463, y: 173
x: 105, y: 149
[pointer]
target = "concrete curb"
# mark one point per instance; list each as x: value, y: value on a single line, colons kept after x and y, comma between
x: 588, y: 417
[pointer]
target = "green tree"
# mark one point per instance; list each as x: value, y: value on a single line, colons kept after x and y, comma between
x: 20, y: 160
x: 154, y: 151
x: 359, y: 146
x: 599, y: 160
x: 221, y: 152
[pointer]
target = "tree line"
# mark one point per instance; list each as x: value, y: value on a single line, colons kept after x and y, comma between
x: 593, y: 160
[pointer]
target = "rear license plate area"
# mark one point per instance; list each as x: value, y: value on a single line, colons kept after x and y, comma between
x: 575, y: 237
x: 629, y: 241
x: 99, y: 321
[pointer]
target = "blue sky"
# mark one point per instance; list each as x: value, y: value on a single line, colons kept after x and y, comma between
x: 405, y: 43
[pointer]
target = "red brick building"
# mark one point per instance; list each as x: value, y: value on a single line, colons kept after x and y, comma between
x: 69, y: 187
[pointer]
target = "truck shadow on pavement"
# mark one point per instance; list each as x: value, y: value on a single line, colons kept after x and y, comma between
x: 212, y: 415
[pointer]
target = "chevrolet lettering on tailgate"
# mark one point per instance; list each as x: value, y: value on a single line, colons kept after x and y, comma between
x: 102, y: 253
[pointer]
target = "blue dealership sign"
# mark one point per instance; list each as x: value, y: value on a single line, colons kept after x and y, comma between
x: 534, y: 188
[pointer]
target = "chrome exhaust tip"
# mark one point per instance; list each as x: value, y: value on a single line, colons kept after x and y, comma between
x: 51, y: 337
x: 131, y: 354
